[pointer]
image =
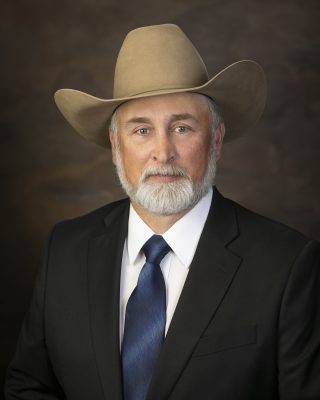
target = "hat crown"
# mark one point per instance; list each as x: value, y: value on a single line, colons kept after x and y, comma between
x: 157, y: 58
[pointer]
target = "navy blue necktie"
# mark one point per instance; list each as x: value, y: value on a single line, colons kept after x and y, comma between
x: 145, y: 322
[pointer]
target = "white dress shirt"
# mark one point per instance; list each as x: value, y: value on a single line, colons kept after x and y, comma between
x: 182, y: 237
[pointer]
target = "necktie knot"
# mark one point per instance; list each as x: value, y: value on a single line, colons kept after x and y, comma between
x: 155, y: 249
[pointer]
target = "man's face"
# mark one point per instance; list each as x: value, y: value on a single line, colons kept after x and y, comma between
x: 169, y: 136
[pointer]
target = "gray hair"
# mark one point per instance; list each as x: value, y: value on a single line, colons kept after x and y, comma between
x: 216, y: 119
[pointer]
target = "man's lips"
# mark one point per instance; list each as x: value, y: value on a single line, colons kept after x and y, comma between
x: 163, y: 178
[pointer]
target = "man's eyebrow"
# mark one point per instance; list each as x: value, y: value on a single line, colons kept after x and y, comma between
x: 138, y: 120
x: 173, y: 118
x: 184, y: 116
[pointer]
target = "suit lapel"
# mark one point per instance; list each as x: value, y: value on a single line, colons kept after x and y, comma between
x: 104, y: 267
x: 210, y: 275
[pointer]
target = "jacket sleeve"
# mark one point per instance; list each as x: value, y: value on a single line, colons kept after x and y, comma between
x: 299, y: 329
x: 30, y: 374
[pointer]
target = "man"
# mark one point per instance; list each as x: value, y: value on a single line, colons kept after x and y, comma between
x: 178, y: 293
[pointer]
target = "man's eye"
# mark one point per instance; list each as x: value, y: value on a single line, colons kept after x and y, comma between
x: 142, y: 131
x: 181, y: 129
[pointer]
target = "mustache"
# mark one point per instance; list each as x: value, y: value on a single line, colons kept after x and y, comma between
x: 164, y: 170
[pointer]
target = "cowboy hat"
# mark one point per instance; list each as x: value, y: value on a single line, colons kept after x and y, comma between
x: 160, y: 59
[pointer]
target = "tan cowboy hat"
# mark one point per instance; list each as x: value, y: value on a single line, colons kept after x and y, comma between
x: 160, y: 59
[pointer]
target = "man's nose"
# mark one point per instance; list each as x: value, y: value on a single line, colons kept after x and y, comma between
x: 164, y: 149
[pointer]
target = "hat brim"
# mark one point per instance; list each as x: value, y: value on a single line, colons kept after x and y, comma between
x: 239, y: 90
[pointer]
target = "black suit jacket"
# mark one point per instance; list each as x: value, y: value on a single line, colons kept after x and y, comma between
x: 247, y: 325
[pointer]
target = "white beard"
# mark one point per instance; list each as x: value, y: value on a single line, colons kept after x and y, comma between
x: 170, y: 197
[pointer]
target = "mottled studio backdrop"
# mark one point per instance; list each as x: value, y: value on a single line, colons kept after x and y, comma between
x: 49, y: 173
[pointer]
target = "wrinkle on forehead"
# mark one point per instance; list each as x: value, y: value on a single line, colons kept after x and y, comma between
x: 185, y: 107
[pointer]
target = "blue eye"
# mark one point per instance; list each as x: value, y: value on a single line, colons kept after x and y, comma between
x: 142, y: 131
x: 181, y: 129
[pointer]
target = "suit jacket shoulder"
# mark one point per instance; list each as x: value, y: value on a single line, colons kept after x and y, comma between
x: 94, y: 222
x: 255, y: 230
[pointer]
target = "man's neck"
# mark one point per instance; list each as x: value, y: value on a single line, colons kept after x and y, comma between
x: 158, y: 223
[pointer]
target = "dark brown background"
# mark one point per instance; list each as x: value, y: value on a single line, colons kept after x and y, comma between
x: 48, y: 173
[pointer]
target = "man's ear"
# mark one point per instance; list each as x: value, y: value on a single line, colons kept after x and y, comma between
x: 219, y: 135
x: 113, y: 145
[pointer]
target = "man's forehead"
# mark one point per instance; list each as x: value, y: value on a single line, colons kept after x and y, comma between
x: 176, y: 103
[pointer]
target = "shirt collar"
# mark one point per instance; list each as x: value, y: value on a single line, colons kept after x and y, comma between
x: 138, y: 233
x: 182, y: 237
